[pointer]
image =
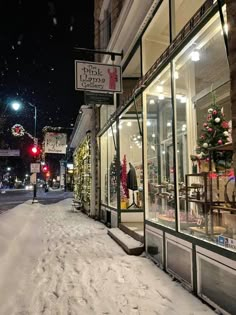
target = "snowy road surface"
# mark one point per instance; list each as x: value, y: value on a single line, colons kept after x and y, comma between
x: 56, y: 262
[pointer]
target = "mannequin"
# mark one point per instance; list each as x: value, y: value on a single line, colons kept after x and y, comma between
x: 132, y: 182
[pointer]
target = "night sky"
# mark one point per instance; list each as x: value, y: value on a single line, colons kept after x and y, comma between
x: 37, y: 62
x: 37, y: 57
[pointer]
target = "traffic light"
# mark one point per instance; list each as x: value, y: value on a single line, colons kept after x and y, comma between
x: 45, y: 168
x: 34, y: 150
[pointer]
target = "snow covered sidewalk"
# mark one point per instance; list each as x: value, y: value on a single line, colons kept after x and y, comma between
x: 56, y: 262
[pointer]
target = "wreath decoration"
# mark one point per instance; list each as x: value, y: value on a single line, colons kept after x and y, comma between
x: 18, y: 130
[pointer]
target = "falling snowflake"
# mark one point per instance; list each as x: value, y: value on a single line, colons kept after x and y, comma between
x: 13, y: 47
x: 54, y: 21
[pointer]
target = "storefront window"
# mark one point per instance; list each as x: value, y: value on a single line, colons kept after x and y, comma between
x: 131, y: 188
x: 205, y: 169
x: 82, y: 172
x: 108, y: 168
x: 189, y: 7
x: 105, y: 113
x: 159, y: 151
x: 156, y: 38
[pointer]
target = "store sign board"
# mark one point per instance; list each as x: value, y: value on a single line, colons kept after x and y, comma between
x: 9, y: 152
x: 34, y: 167
x: 92, y: 76
x: 55, y: 142
x: 92, y: 98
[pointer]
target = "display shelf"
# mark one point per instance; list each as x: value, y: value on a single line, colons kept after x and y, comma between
x: 216, y: 231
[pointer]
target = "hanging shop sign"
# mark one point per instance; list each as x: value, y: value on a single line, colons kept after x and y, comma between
x: 55, y: 142
x: 94, y: 76
x: 9, y: 152
x: 92, y: 98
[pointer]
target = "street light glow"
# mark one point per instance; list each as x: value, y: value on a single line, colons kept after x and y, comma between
x: 15, y: 105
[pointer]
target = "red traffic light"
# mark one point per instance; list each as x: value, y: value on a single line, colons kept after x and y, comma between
x: 45, y: 168
x: 34, y: 150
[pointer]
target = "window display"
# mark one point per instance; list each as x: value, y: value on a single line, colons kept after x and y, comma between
x: 108, y: 168
x: 160, y: 152
x: 204, y: 154
x: 131, y: 159
x: 82, y: 172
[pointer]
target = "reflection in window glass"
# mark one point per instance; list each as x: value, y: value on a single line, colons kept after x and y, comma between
x: 160, y: 151
x: 131, y: 160
x: 156, y: 38
x: 108, y: 168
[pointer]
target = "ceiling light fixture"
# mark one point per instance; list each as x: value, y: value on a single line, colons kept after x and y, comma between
x: 195, y: 56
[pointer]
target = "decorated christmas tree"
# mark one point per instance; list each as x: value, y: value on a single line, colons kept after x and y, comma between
x: 113, y: 179
x: 215, y: 132
x: 124, y: 190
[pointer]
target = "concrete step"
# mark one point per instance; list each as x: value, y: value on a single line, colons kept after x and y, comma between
x: 133, y: 231
x: 129, y: 244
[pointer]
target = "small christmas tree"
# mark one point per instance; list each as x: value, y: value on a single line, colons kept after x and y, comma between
x: 124, y: 190
x: 215, y: 132
x: 113, y: 179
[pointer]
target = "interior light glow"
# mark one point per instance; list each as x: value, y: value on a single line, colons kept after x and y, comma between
x: 149, y: 123
x: 153, y: 135
x: 168, y: 124
x: 159, y: 88
x: 176, y: 75
x: 161, y: 96
x: 163, y: 152
x: 153, y: 148
x: 151, y: 102
x: 183, y: 99
x: 178, y: 96
x: 129, y: 123
x: 226, y: 29
x: 195, y: 56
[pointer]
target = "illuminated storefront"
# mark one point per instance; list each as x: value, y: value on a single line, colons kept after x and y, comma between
x: 174, y: 132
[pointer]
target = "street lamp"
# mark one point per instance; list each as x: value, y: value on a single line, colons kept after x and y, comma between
x: 16, y: 106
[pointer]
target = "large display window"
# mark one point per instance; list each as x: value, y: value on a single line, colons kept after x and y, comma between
x: 189, y: 7
x: 159, y: 151
x: 105, y: 113
x: 82, y: 172
x: 203, y: 101
x: 156, y: 37
x: 108, y: 167
x: 131, y: 177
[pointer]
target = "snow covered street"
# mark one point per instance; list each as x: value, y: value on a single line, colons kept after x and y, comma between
x: 56, y: 262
